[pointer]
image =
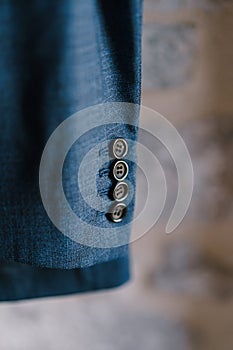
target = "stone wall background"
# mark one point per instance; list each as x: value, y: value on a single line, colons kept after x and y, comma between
x: 181, y: 292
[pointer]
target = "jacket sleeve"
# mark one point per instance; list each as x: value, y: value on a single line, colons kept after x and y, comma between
x: 57, y: 59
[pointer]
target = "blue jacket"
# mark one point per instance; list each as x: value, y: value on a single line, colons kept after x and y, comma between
x: 57, y: 58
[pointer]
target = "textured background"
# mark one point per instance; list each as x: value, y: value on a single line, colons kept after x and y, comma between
x: 181, y: 293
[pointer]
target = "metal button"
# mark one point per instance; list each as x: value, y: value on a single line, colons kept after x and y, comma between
x: 120, y: 191
x: 120, y: 170
x: 118, y: 212
x: 119, y: 148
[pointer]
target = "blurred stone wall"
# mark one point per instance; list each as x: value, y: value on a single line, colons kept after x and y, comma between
x: 188, y: 57
x: 188, y: 78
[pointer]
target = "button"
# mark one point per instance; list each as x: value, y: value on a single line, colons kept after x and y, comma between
x: 118, y: 212
x: 120, y: 170
x: 119, y: 148
x: 120, y: 191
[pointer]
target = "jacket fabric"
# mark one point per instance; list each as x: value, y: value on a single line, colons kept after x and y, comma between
x: 57, y: 58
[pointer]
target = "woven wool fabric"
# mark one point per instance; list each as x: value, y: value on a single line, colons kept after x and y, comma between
x: 58, y: 57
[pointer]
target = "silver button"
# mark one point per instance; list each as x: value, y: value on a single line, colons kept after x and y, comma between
x: 120, y: 191
x: 119, y: 148
x: 120, y: 170
x: 118, y: 212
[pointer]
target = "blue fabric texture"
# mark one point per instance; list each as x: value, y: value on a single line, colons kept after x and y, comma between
x: 58, y: 57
